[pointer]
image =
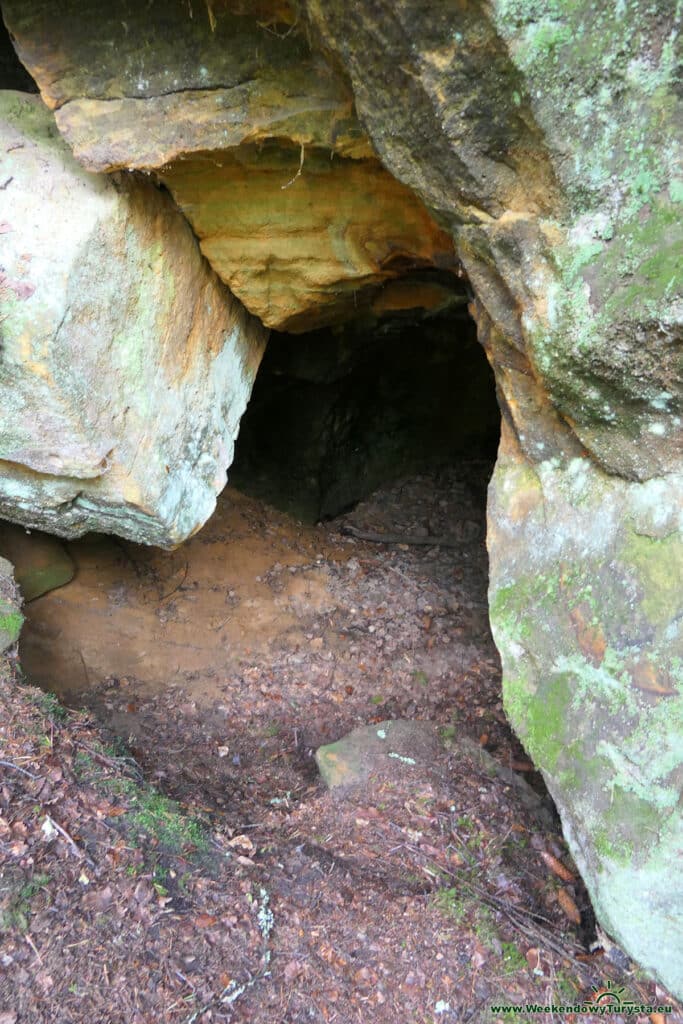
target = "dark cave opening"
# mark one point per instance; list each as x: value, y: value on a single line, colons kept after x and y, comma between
x: 13, y: 74
x: 338, y: 412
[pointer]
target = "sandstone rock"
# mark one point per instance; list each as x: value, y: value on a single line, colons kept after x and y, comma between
x: 386, y: 746
x: 134, y: 86
x: 11, y: 619
x: 196, y: 97
x: 587, y: 613
x: 41, y: 563
x: 306, y: 249
x: 564, y: 204
x: 125, y: 364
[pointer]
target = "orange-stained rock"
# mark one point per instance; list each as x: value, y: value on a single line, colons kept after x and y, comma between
x: 126, y: 364
x: 409, y: 293
x: 134, y: 86
x: 300, y: 235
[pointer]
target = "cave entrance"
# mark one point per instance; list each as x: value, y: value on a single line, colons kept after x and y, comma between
x: 337, y: 413
x: 362, y: 597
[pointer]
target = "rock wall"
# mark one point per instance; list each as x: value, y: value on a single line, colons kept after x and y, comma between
x: 543, y: 136
x: 125, y: 364
x: 11, y: 619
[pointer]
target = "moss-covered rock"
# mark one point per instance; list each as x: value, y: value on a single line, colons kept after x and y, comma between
x: 587, y: 613
x: 41, y: 562
x: 11, y: 619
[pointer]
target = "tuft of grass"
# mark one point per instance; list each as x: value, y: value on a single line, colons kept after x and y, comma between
x: 452, y: 903
x: 150, y: 816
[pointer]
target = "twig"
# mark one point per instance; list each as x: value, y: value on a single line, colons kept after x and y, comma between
x: 33, y: 946
x: 298, y: 173
x: 70, y: 840
x: 114, y: 762
x: 177, y: 588
x: 85, y: 669
x: 8, y: 764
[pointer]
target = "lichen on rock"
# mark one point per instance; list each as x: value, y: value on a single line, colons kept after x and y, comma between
x: 125, y: 364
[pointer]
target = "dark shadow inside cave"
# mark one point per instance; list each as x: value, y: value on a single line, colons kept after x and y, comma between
x: 13, y: 74
x: 338, y: 412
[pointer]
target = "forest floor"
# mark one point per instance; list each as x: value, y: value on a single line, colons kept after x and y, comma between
x: 168, y: 852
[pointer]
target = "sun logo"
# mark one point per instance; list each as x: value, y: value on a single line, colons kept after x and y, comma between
x: 609, y: 995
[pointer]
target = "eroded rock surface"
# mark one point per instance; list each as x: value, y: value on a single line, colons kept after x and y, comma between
x: 126, y: 364
x: 302, y: 250
x: 253, y: 132
x: 134, y: 86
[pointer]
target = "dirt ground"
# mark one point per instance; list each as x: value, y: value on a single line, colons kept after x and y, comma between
x: 210, y: 675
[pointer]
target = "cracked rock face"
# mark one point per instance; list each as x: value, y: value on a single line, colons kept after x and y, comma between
x: 254, y: 133
x: 125, y: 363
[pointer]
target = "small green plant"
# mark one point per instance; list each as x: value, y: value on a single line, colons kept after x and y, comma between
x: 50, y: 705
x: 513, y: 959
x: 485, y: 926
x: 161, y: 819
x: 566, y: 988
x: 149, y: 815
x: 83, y: 765
x: 452, y: 903
x: 421, y: 678
x: 377, y: 699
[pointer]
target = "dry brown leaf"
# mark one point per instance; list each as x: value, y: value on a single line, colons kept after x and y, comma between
x: 242, y: 843
x: 205, y: 921
x: 292, y: 970
x: 557, y: 867
x: 569, y: 907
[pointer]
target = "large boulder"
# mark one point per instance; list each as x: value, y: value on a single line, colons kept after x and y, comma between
x: 126, y: 364
x: 253, y: 132
x: 138, y: 85
x: 546, y: 136
x: 301, y: 239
